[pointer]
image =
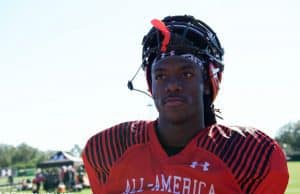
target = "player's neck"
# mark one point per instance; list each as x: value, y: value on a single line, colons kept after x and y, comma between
x: 177, y: 134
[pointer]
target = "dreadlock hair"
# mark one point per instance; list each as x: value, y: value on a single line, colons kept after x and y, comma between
x: 185, y: 34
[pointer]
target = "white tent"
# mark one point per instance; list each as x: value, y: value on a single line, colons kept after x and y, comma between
x: 61, y: 159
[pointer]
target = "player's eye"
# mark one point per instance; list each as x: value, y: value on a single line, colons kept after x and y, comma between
x: 188, y: 74
x: 160, y: 76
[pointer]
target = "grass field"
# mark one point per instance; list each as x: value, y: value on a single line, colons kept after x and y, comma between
x: 293, y: 186
x: 9, y: 189
x: 294, y: 182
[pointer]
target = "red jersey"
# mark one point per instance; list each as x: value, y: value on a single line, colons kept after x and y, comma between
x: 128, y: 158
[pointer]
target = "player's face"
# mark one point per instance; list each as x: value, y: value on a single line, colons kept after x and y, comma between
x: 177, y: 89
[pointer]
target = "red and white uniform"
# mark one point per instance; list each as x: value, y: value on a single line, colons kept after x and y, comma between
x: 128, y: 159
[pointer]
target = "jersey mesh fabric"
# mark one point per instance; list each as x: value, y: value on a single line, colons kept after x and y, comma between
x: 128, y: 158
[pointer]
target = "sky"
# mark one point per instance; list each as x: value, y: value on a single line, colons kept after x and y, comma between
x: 64, y: 65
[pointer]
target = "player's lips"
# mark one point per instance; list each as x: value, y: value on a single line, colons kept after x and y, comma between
x: 174, y: 101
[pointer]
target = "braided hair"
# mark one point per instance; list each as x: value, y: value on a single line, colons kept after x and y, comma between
x: 185, y: 34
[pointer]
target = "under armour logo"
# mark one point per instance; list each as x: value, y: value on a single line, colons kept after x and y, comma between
x: 204, y: 165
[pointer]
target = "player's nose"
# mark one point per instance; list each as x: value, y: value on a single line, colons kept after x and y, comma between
x: 173, y: 85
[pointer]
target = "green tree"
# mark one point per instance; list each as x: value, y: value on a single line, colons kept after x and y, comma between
x: 76, y: 150
x: 6, y: 154
x: 289, y: 137
x: 22, y: 156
